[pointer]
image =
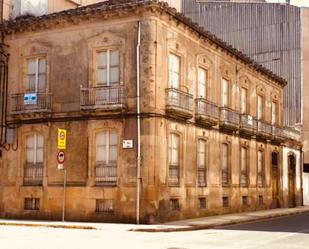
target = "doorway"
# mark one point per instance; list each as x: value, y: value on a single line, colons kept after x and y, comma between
x: 292, y: 177
x: 275, y: 180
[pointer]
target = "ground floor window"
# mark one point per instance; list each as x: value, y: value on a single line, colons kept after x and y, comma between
x: 104, y: 206
x: 32, y: 204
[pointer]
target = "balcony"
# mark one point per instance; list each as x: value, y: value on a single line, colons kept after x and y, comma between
x: 179, y: 104
x: 31, y: 103
x: 103, y: 98
x: 33, y: 174
x: 292, y: 134
x: 264, y: 130
x: 206, y: 112
x: 248, y: 125
x: 277, y: 133
x: 229, y: 119
x: 106, y: 174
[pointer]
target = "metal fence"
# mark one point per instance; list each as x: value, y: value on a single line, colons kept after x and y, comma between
x: 102, y: 96
x: 33, y: 174
x: 229, y: 116
x: 179, y: 99
x: 43, y: 102
x: 206, y: 108
x: 106, y: 174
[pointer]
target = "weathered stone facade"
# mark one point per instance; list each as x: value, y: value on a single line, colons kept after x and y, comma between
x: 69, y: 43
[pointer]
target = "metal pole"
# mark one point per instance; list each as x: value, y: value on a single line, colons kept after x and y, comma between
x: 64, y: 188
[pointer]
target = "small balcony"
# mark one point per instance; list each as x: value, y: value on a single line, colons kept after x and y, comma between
x: 292, y: 134
x: 248, y: 125
x: 33, y: 174
x: 277, y: 133
x: 206, y: 112
x: 31, y: 103
x: 106, y: 174
x: 179, y: 104
x: 229, y: 119
x: 264, y: 130
x: 103, y: 98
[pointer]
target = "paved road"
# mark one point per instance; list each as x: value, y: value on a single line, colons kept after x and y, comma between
x: 282, y: 233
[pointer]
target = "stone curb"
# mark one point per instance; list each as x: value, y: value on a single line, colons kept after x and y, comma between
x: 218, y: 224
x: 47, y: 225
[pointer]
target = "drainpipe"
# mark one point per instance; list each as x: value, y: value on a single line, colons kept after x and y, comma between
x: 138, y: 166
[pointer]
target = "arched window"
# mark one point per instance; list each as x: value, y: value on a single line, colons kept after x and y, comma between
x: 106, y: 158
x: 174, y: 153
x: 33, y: 169
x: 201, y: 161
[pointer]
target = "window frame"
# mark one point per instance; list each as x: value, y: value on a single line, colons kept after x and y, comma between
x: 108, y: 50
x: 171, y: 165
x: 206, y: 71
x: 261, y: 117
x: 262, y: 175
x: 35, y: 148
x: 276, y: 119
x: 171, y: 83
x: 227, y: 104
x: 244, y: 149
x: 37, y: 73
x: 228, y: 166
x: 202, y: 168
x: 246, y: 111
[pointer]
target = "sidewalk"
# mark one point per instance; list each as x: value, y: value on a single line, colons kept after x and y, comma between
x: 176, y: 226
x: 223, y: 220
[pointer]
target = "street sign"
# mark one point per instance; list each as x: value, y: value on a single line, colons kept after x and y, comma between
x: 60, y: 157
x: 127, y: 144
x: 62, y: 139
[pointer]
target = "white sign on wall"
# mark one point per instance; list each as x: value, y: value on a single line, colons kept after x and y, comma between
x: 127, y: 144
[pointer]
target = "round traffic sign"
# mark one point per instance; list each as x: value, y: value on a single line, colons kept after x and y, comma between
x: 60, y: 157
x: 62, y: 135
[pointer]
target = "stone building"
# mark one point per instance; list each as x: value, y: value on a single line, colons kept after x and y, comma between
x: 211, y: 140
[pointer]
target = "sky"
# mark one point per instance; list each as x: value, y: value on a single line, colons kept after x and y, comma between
x: 301, y: 3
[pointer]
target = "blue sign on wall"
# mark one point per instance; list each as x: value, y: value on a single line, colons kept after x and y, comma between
x: 30, y: 99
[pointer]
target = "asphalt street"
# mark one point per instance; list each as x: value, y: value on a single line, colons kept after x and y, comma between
x: 281, y: 233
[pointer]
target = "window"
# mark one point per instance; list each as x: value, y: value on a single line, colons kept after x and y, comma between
x: 260, y: 168
x: 243, y: 100
x: 203, y: 202
x: 273, y: 113
x: 36, y: 75
x: 174, y: 159
x: 245, y: 201
x: 106, y: 157
x: 225, y: 165
x: 35, y: 149
x: 104, y: 206
x: 225, y: 93
x: 201, y: 157
x: 174, y: 205
x: 260, y: 110
x: 225, y: 201
x: 32, y: 203
x: 202, y: 83
x: 261, y: 200
x: 174, y: 71
x: 108, y: 69
x: 244, y: 167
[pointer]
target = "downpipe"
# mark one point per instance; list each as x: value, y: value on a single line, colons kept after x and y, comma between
x: 138, y: 159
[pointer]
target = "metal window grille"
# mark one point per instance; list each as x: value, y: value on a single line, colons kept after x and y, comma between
x: 225, y: 201
x: 174, y: 147
x: 225, y: 166
x: 104, y: 206
x: 32, y: 204
x: 174, y: 205
x: 201, y: 163
x: 203, y: 202
x: 244, y: 167
x: 245, y: 201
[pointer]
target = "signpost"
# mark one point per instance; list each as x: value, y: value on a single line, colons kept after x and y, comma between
x: 62, y: 144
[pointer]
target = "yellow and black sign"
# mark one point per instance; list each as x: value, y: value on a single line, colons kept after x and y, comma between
x: 62, y: 139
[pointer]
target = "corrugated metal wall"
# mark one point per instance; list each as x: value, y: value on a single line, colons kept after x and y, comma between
x: 269, y: 33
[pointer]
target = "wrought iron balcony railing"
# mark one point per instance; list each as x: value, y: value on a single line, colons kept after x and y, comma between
x: 264, y: 129
x: 292, y: 134
x: 206, y: 112
x: 22, y: 103
x: 277, y: 133
x: 103, y: 97
x: 33, y: 174
x: 229, y: 118
x: 248, y: 124
x: 106, y: 174
x: 179, y: 103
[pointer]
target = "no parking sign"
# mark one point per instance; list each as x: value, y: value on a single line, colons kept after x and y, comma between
x: 62, y: 139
